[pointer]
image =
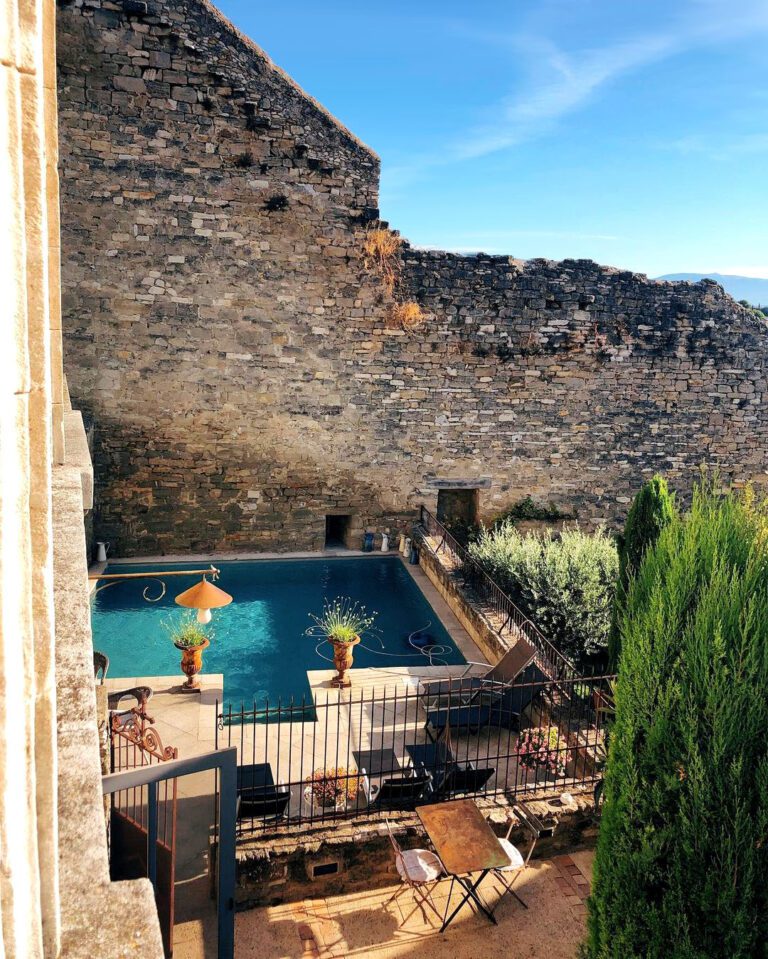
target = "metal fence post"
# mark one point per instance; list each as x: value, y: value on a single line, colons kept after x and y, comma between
x: 226, y: 853
x: 152, y: 833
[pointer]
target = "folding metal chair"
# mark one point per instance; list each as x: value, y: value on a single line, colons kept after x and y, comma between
x: 420, y: 871
x: 518, y: 864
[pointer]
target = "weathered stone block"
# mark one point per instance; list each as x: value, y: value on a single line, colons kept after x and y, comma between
x: 130, y: 84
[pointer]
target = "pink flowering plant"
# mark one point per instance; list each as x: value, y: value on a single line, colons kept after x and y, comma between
x: 542, y: 748
x: 331, y: 786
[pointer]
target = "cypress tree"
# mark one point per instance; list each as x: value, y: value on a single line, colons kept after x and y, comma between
x: 681, y: 869
x: 652, y: 509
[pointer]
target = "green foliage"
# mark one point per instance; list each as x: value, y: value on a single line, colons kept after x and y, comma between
x: 527, y: 509
x: 463, y: 532
x: 652, y: 509
x: 564, y: 583
x: 682, y: 866
x: 341, y: 621
x: 760, y: 311
x: 186, y: 631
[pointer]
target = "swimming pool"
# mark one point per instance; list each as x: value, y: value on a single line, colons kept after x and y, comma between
x: 258, y: 642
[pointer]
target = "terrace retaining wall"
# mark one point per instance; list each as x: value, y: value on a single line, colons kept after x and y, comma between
x: 279, y: 869
x: 240, y: 360
x: 482, y: 633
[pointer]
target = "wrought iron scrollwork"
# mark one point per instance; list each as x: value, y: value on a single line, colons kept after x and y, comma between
x: 137, y: 729
x: 156, y: 599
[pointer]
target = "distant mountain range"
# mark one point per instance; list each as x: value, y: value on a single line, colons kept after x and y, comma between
x: 749, y: 288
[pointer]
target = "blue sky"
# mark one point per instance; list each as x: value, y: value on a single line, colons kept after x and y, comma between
x: 631, y: 133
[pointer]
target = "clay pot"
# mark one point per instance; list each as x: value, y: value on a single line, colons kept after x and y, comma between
x: 342, y: 660
x: 191, y: 664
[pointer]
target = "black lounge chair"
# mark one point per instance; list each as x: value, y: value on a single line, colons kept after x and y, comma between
x: 449, y: 777
x: 496, y: 704
x: 257, y: 795
x: 432, y: 757
x: 462, y: 690
x: 398, y: 792
x: 466, y: 778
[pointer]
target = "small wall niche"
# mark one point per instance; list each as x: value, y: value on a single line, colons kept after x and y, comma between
x: 325, y: 869
x: 337, y: 529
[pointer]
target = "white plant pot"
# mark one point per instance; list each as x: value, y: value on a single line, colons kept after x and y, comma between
x: 314, y: 806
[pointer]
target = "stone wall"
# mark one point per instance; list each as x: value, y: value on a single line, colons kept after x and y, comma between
x: 483, y: 635
x: 356, y: 856
x: 241, y: 361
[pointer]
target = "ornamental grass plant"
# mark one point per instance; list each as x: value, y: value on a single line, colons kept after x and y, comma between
x: 681, y: 870
x: 342, y: 621
x: 185, y: 632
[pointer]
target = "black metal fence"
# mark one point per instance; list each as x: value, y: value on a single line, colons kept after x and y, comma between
x: 506, y: 616
x: 364, y: 752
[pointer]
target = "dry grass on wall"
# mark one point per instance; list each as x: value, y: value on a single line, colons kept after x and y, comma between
x: 381, y: 249
x: 406, y: 316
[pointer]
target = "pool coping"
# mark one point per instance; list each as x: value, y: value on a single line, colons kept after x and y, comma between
x: 335, y: 553
x: 215, y: 681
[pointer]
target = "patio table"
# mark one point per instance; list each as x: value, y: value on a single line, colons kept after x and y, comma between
x: 467, y: 846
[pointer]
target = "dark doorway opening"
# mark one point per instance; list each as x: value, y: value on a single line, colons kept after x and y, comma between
x: 336, y: 530
x: 458, y: 509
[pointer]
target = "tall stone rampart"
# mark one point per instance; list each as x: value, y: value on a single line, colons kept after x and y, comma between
x: 239, y: 354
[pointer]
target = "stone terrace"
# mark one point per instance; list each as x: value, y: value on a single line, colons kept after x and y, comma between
x: 366, y: 925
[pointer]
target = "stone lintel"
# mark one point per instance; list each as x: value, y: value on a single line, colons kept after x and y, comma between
x: 482, y: 482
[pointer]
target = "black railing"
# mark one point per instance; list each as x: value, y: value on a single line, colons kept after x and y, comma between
x: 413, y: 742
x: 505, y: 617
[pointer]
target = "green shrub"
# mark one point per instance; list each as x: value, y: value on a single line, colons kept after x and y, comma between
x: 652, y: 509
x: 528, y: 509
x: 681, y: 870
x: 564, y: 583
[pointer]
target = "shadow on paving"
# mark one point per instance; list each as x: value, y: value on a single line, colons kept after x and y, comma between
x: 367, y: 925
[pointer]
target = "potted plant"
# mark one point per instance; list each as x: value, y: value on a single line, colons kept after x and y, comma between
x: 331, y: 788
x: 187, y: 635
x: 541, y: 750
x: 342, y: 623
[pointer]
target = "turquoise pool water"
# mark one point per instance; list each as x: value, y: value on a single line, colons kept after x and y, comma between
x: 258, y: 641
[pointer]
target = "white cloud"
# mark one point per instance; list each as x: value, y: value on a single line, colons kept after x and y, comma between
x: 560, y: 82
x: 566, y: 83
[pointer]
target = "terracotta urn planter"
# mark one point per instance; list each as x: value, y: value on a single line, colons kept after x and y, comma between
x: 191, y: 664
x: 342, y: 660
